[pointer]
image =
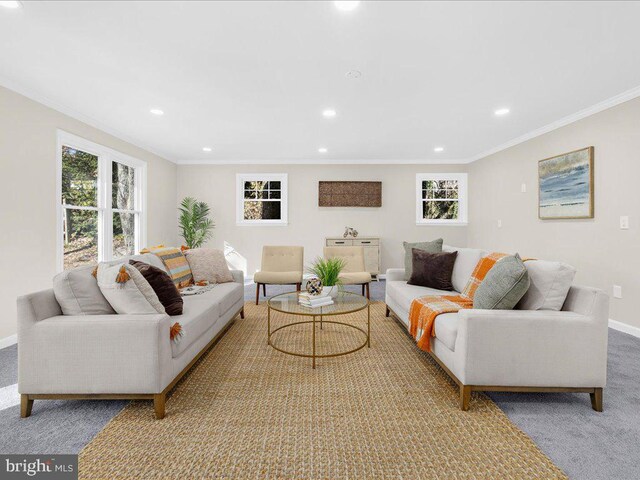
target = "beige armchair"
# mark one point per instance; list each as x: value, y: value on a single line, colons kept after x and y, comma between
x: 354, y: 271
x: 280, y: 266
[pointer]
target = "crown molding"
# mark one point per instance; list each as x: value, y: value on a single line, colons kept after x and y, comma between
x: 318, y: 161
x: 569, y: 119
x: 70, y: 112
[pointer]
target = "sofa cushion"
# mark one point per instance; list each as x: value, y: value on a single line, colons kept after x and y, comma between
x: 354, y: 278
x: 503, y: 286
x: 466, y: 262
x: 403, y: 294
x: 129, y: 295
x: 77, y: 292
x: 435, y: 246
x: 550, y: 284
x: 162, y: 285
x: 432, y: 270
x: 446, y: 329
x: 208, y: 264
x: 175, y: 264
x: 201, y: 312
x: 278, y: 277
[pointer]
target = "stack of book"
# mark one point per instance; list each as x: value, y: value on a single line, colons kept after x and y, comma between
x: 314, y: 301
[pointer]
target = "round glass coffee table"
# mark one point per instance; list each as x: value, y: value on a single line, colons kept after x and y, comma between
x: 343, y: 304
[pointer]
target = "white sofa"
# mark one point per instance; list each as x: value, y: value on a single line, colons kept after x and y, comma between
x: 514, y: 350
x: 116, y: 356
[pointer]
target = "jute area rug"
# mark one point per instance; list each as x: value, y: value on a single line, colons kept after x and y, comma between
x: 248, y: 411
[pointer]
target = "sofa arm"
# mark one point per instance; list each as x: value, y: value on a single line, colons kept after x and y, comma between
x: 95, y: 354
x: 394, y: 274
x: 238, y: 276
x: 531, y: 348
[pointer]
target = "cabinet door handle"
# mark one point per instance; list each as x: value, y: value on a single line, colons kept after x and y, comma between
x: 365, y: 242
x: 339, y: 243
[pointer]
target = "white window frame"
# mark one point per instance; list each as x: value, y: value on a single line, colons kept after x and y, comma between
x: 462, y: 219
x: 104, y: 207
x: 262, y: 177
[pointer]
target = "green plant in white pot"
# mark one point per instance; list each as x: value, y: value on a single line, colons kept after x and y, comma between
x: 328, y: 271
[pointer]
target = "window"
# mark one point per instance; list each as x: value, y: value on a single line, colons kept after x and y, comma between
x: 261, y: 199
x: 441, y: 198
x: 101, y: 203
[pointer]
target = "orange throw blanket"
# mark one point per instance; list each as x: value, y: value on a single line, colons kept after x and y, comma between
x: 424, y: 310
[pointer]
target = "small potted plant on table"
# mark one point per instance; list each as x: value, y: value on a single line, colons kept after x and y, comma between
x: 328, y: 271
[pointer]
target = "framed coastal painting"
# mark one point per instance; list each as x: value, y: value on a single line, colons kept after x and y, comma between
x: 565, y: 185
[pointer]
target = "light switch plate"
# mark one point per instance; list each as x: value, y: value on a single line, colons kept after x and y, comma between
x: 624, y: 222
x: 523, y: 188
x: 617, y: 291
x: 499, y: 223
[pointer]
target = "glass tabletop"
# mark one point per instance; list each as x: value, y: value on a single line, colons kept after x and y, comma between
x: 344, y: 302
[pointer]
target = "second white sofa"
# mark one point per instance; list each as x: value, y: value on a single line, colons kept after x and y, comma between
x: 514, y: 350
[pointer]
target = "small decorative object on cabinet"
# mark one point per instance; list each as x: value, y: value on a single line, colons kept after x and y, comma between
x: 350, y: 232
x: 371, y: 250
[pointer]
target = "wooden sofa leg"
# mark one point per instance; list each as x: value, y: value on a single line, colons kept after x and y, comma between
x: 242, y: 313
x: 26, y: 404
x: 298, y: 287
x: 596, y: 399
x: 387, y: 313
x: 257, y: 293
x: 368, y: 297
x: 264, y: 290
x: 159, y: 405
x: 465, y: 397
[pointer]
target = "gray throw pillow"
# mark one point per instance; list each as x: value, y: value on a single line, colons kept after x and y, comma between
x: 434, y: 246
x: 504, y: 286
x: 77, y: 292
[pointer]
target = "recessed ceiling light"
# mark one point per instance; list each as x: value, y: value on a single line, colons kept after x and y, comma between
x: 346, y: 6
x: 438, y: 149
x: 13, y: 4
x: 501, y: 111
x: 156, y: 111
x: 329, y: 113
x: 322, y: 150
x: 206, y: 149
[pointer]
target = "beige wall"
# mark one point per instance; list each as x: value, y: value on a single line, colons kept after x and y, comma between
x: 309, y: 224
x: 28, y: 195
x: 603, y: 254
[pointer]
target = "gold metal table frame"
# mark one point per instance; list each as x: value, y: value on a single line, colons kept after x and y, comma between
x: 319, y: 314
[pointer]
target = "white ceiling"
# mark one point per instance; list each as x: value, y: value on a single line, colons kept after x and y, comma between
x: 250, y: 79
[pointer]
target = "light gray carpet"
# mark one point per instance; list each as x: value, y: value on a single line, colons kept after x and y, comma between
x: 585, y: 444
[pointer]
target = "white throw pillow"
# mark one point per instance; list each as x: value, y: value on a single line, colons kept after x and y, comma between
x: 133, y: 296
x: 550, y: 284
x: 466, y: 262
x: 77, y: 292
x: 208, y: 264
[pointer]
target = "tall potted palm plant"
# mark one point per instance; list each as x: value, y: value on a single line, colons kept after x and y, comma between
x: 195, y: 225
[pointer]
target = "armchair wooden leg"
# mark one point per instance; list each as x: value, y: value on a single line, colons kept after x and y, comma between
x: 298, y: 287
x: 596, y: 399
x: 25, y: 406
x: 159, y: 405
x: 465, y: 397
x: 368, y: 297
x: 386, y: 314
x: 264, y: 290
x: 363, y: 289
x: 242, y: 313
x: 257, y: 293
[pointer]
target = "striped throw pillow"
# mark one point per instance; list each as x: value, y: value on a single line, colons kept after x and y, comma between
x: 175, y: 263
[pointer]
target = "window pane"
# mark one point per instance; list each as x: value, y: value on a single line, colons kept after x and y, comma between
x: 262, y: 210
x: 124, y: 231
x: 79, y: 178
x: 123, y: 186
x: 274, y: 185
x: 274, y: 194
x: 249, y: 194
x: 440, y: 210
x: 259, y: 185
x: 80, y: 231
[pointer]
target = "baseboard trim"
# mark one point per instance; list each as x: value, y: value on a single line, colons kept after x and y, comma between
x: 8, y: 341
x: 623, y: 327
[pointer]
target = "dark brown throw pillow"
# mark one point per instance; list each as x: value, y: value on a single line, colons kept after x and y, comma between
x: 432, y: 270
x: 162, y: 284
